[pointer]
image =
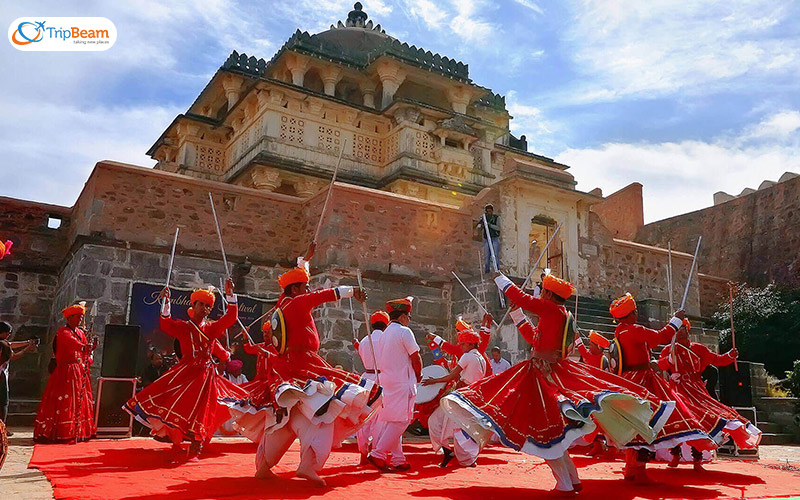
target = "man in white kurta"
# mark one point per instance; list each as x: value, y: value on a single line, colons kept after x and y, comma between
x: 400, y: 365
x: 368, y: 433
x: 471, y: 368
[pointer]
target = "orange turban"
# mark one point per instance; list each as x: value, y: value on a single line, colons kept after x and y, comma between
x: 5, y: 248
x: 402, y: 305
x: 468, y: 336
x: 562, y: 288
x: 462, y: 325
x: 623, y: 306
x: 687, y: 325
x: 296, y: 275
x: 379, y: 317
x: 73, y: 310
x: 203, y: 296
x: 598, y: 339
x: 266, y: 327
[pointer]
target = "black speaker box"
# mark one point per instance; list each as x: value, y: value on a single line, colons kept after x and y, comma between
x: 120, y: 351
x: 115, y: 393
x: 734, y: 386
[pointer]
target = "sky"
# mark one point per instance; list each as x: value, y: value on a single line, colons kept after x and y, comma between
x: 687, y: 98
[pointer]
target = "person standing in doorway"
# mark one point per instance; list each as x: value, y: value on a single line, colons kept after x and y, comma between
x: 493, y: 223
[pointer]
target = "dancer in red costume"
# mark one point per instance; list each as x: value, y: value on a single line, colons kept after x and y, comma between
x: 715, y: 418
x: 542, y: 405
x: 310, y: 399
x: 594, y: 355
x: 632, y: 345
x: 184, y: 403
x: 250, y: 415
x: 66, y: 413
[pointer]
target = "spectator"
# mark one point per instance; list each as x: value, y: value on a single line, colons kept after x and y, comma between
x: 499, y: 364
x: 9, y: 351
x: 233, y: 372
x: 493, y: 222
x: 155, y: 369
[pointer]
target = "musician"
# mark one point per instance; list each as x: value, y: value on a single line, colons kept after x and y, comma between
x: 472, y: 366
x: 368, y: 433
x: 594, y: 354
x: 66, y: 413
x: 400, y: 364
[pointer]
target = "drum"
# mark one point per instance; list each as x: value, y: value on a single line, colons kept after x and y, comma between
x: 278, y: 325
x: 427, y: 393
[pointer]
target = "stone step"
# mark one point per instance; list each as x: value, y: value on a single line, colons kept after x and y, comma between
x: 774, y: 438
x: 770, y: 428
x: 25, y: 419
x: 762, y: 416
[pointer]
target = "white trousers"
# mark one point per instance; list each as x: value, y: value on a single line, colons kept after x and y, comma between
x: 565, y: 472
x: 390, y: 442
x: 370, y: 431
x: 316, y: 441
x: 441, y: 429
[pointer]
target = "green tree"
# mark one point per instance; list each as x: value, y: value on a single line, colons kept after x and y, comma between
x: 767, y: 325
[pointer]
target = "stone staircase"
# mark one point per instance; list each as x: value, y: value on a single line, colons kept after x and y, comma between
x: 22, y: 412
x: 592, y: 315
x: 776, y: 420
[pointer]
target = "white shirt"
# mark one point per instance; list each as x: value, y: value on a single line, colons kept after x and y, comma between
x: 473, y: 366
x: 396, y: 345
x: 365, y: 351
x: 499, y: 366
x: 537, y: 291
x: 238, y: 380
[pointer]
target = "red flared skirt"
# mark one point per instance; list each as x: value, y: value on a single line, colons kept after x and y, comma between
x: 541, y: 408
x: 682, y: 426
x: 715, y: 418
x: 188, y: 400
x: 66, y: 413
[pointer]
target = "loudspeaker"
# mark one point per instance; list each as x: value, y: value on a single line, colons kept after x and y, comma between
x: 734, y: 386
x: 120, y: 351
x: 111, y: 419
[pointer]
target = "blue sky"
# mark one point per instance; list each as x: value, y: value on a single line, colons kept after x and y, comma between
x: 688, y: 97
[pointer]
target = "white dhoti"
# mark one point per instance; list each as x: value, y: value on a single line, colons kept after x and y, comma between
x: 442, y: 429
x: 394, y: 418
x: 316, y: 442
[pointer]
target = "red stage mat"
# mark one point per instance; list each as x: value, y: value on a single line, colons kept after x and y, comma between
x: 138, y: 468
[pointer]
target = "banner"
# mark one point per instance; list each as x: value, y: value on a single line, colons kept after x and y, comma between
x: 144, y: 310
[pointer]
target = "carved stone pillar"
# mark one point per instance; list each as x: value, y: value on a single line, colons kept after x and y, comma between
x: 231, y: 86
x: 392, y: 76
x: 297, y: 66
x: 267, y: 180
x: 306, y: 188
x: 459, y: 98
x: 330, y: 76
x: 368, y: 89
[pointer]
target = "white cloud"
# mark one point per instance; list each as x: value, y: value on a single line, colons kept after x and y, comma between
x: 466, y: 24
x: 48, y: 155
x: 529, y: 4
x: 682, y: 176
x: 660, y: 47
x: 427, y: 11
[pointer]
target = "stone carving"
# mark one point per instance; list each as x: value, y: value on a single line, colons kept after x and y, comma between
x: 267, y: 180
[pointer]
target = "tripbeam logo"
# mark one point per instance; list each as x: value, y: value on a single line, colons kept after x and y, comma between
x: 62, y: 34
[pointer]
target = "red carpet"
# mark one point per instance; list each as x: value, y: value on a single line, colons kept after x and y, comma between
x: 138, y: 469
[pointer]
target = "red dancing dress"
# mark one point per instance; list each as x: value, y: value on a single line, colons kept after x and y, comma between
x: 66, y: 413
x: 185, y: 402
x: 715, y: 418
x: 633, y: 342
x: 301, y: 379
x: 541, y: 406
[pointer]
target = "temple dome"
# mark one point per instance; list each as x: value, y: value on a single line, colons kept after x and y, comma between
x: 356, y: 36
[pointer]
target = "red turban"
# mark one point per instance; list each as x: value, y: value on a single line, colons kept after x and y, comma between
x: 562, y: 288
x: 203, y: 296
x: 623, y: 306
x: 468, y: 337
x: 73, y: 310
x: 598, y: 339
x: 462, y: 325
x: 296, y: 275
x: 402, y: 305
x: 379, y: 317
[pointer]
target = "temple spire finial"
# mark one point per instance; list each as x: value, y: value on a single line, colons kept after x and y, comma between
x: 357, y: 18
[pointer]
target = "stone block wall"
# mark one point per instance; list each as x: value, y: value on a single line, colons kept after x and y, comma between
x: 752, y: 238
x: 622, y: 212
